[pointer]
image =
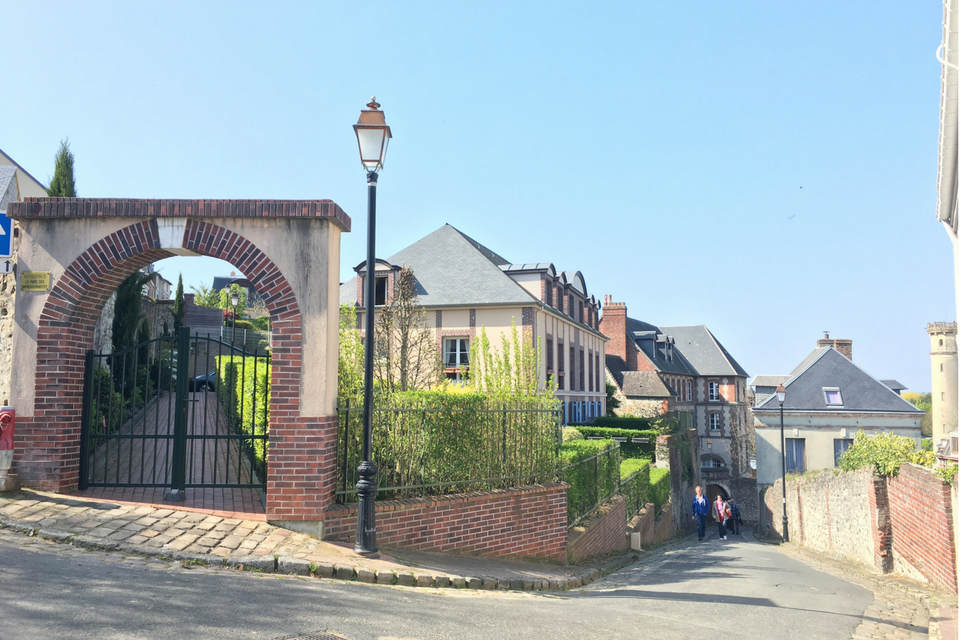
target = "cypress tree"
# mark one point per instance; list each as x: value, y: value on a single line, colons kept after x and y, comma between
x: 178, y: 307
x: 62, y: 185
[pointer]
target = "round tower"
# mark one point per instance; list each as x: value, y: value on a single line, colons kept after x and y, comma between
x: 943, y: 378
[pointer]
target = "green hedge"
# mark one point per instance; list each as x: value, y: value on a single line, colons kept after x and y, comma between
x: 243, y: 386
x: 592, y: 469
x: 626, y: 422
x: 433, y: 442
x: 635, y: 484
x: 659, y: 486
x: 627, y: 449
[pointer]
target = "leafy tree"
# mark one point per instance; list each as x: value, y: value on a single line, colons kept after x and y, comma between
x: 223, y: 299
x: 62, y: 184
x: 204, y: 296
x: 924, y: 402
x: 178, y: 306
x: 349, y: 355
x: 126, y: 322
x: 407, y: 356
x: 511, y: 371
x: 885, y: 452
x: 612, y: 401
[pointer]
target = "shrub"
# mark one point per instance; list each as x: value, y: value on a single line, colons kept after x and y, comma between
x: 107, y: 409
x: 592, y: 468
x: 635, y: 484
x: 659, y: 486
x: 432, y: 442
x: 947, y: 473
x: 243, y: 386
x: 627, y: 449
x: 885, y: 452
x: 625, y: 422
x: 570, y: 433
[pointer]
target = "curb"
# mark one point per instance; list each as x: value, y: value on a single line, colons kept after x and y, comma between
x: 286, y: 565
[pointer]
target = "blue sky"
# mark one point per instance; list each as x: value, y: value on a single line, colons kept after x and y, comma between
x: 766, y: 169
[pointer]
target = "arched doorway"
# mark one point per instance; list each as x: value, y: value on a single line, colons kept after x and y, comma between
x: 713, y: 490
x: 85, y: 247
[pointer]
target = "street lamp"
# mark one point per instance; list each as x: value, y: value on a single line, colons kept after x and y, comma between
x: 781, y: 396
x: 373, y: 136
x: 234, y: 300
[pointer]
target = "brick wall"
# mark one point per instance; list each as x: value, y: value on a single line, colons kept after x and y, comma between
x: 602, y: 534
x: 653, y: 530
x: 921, y: 526
x: 530, y: 522
x: 902, y: 525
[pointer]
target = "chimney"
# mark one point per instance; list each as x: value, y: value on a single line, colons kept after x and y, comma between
x: 613, y: 324
x: 843, y: 345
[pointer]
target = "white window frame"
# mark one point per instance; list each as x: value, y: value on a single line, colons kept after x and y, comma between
x: 827, y: 402
x: 714, y: 418
x: 713, y: 391
x: 457, y: 352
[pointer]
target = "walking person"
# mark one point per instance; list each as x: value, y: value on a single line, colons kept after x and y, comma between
x: 700, y: 511
x: 735, y: 520
x: 721, y: 513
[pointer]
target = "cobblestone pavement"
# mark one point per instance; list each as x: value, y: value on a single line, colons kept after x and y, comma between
x: 213, y: 539
x: 901, y: 608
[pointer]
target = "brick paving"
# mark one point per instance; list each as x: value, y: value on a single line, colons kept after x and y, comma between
x: 901, y: 609
x: 210, y: 537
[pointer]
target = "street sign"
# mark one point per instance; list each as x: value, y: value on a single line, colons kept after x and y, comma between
x: 6, y: 235
x: 6, y: 266
x: 35, y: 281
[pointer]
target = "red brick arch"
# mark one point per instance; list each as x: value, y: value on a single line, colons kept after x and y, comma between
x: 51, y: 439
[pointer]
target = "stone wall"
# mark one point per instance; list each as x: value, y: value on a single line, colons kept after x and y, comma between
x: 653, y: 529
x: 529, y: 522
x: 602, y: 534
x: 8, y: 292
x: 902, y: 525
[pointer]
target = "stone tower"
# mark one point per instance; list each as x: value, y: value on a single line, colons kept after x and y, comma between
x: 943, y: 378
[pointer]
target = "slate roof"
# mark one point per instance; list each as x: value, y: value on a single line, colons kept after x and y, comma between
x: 7, y: 174
x: 646, y: 384
x: 827, y: 367
x: 894, y: 385
x: 768, y: 381
x: 453, y: 269
x: 704, y: 351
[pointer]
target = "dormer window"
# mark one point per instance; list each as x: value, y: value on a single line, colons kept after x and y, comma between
x: 380, y: 290
x: 832, y: 397
x: 549, y: 292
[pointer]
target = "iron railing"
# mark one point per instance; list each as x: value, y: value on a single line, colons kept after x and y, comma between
x: 593, y: 481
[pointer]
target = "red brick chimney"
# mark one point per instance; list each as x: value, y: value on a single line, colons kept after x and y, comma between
x: 842, y: 345
x: 613, y: 324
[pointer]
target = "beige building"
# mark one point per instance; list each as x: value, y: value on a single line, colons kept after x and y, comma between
x: 828, y: 400
x: 943, y: 380
x: 464, y: 287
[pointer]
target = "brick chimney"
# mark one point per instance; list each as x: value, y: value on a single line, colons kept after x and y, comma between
x: 613, y: 324
x: 843, y: 345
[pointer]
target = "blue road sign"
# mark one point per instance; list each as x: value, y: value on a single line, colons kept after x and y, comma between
x: 6, y: 235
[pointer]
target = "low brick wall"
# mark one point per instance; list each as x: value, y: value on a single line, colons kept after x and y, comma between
x: 653, y: 530
x: 921, y: 526
x: 528, y: 522
x: 604, y: 533
x: 902, y: 525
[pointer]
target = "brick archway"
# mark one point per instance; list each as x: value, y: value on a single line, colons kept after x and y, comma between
x: 301, y: 473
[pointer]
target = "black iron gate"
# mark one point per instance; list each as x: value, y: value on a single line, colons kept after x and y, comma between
x: 176, y: 411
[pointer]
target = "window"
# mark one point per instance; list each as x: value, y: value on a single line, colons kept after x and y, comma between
x: 380, y: 295
x: 796, y: 462
x: 714, y: 391
x: 711, y: 462
x: 597, y: 372
x: 549, y: 354
x: 839, y: 446
x: 580, y: 311
x: 831, y: 395
x: 714, y: 422
x: 559, y: 301
x: 571, y: 307
x: 560, y: 367
x: 581, y: 379
x: 590, y: 372
x: 573, y: 369
x: 688, y: 389
x: 456, y: 354
x: 549, y: 290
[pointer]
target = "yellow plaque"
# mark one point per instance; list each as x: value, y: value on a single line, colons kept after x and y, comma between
x: 35, y: 281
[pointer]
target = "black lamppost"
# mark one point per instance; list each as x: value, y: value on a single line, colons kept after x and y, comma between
x: 373, y: 135
x: 234, y: 300
x: 781, y: 396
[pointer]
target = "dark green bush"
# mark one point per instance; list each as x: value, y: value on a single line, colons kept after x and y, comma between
x: 107, y: 410
x: 592, y: 469
x: 435, y: 442
x: 243, y: 386
x: 627, y: 449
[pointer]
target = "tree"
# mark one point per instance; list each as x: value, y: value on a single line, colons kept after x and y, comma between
x: 178, y: 306
x: 204, y: 296
x: 512, y: 371
x: 224, y: 302
x: 613, y: 402
x: 62, y: 184
x: 924, y: 402
x: 349, y: 355
x: 126, y: 322
x: 406, y: 356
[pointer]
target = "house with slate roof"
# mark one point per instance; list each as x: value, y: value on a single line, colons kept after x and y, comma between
x: 684, y: 370
x: 464, y: 286
x: 828, y: 400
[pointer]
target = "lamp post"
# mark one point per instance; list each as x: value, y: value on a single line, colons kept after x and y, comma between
x: 234, y: 300
x: 781, y: 396
x: 373, y: 136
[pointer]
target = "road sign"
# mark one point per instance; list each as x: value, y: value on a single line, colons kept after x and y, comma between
x: 6, y: 235
x: 6, y: 266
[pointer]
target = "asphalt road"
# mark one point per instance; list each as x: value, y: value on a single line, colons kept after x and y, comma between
x: 713, y: 589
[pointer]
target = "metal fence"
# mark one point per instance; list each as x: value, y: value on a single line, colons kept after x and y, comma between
x: 431, y: 446
x: 593, y: 481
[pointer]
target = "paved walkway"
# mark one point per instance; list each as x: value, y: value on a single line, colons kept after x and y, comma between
x: 211, y: 538
x: 143, y: 456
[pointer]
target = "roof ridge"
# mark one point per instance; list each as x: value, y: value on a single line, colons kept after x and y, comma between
x: 485, y: 251
x: 17, y: 165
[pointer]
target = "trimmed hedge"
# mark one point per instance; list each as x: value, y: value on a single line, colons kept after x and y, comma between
x: 243, y: 386
x: 659, y: 486
x: 626, y: 422
x: 635, y: 484
x: 627, y: 449
x: 592, y: 469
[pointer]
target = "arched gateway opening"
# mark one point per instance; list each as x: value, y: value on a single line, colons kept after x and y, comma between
x: 289, y: 250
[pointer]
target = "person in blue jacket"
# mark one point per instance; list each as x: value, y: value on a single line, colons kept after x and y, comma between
x: 701, y: 509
